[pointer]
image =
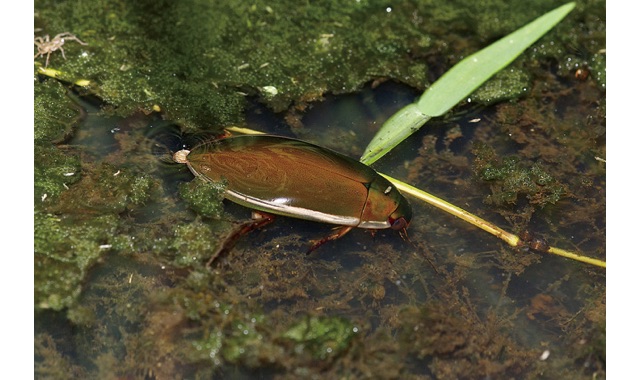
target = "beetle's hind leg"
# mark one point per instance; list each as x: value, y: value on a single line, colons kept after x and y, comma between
x: 337, y: 234
x: 258, y: 219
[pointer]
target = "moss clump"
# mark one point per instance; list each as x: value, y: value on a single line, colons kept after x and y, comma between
x: 107, y: 189
x: 247, y: 342
x: 54, y: 172
x: 321, y: 337
x: 195, y: 242
x: 54, y: 113
x: 76, y: 220
x: 65, y: 250
x: 505, y: 85
x: 204, y: 197
x: 510, y: 179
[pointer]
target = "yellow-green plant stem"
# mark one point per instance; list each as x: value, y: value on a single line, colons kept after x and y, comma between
x: 575, y: 256
x: 57, y: 74
x: 509, y: 238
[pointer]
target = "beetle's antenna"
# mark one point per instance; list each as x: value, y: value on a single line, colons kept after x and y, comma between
x: 204, y: 138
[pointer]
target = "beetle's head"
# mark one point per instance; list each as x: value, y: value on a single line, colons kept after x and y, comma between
x: 401, y: 217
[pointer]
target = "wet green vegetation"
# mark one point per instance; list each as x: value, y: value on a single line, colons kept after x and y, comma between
x: 204, y: 197
x: 509, y: 179
x: 122, y: 239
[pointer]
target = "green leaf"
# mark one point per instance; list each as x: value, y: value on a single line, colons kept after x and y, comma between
x: 459, y: 82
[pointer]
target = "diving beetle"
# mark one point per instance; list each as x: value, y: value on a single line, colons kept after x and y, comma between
x: 294, y: 178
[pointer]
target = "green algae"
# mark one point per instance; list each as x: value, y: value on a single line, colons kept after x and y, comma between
x: 506, y: 85
x: 599, y: 69
x: 118, y: 190
x: 323, y: 338
x: 54, y: 112
x: 64, y: 252
x: 199, y: 66
x: 510, y: 179
x: 194, y: 242
x: 54, y: 172
x: 204, y: 197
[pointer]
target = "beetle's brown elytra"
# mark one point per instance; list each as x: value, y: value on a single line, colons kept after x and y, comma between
x: 294, y: 178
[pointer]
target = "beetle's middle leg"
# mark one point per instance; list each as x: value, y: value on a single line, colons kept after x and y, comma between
x: 339, y: 232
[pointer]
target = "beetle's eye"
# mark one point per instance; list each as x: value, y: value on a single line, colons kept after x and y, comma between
x: 399, y: 224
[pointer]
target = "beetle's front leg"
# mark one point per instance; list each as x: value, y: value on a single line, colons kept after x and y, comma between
x: 339, y: 232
